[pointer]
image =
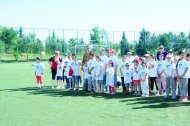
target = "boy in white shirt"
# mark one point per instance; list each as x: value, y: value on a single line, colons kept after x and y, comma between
x: 128, y: 78
x: 99, y: 75
x: 168, y: 71
x: 75, y: 77
x: 122, y: 68
x: 39, y: 71
x: 182, y: 68
x: 59, y: 75
x: 66, y: 74
x: 91, y: 73
x: 144, y: 80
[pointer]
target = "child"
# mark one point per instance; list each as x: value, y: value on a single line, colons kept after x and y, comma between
x: 168, y: 71
x: 176, y: 59
x: 75, y: 76
x: 110, y: 77
x: 66, y: 75
x: 182, y: 68
x: 144, y: 80
x: 153, y: 74
x: 122, y: 68
x: 91, y: 72
x: 161, y: 80
x: 39, y: 71
x: 128, y: 77
x: 59, y: 75
x: 99, y: 75
x: 136, y: 77
x: 85, y: 76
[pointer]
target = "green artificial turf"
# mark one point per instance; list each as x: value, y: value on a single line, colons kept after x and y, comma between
x: 21, y: 104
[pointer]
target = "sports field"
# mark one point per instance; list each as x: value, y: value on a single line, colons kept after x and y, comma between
x: 21, y: 104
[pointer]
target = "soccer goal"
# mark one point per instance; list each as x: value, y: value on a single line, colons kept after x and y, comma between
x: 81, y: 49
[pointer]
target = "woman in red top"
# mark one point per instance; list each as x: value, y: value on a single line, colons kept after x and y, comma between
x: 52, y: 62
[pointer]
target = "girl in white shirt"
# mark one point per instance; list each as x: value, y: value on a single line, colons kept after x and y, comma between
x: 110, y: 77
x: 161, y: 80
x: 136, y: 77
x: 153, y: 74
x: 182, y: 68
x: 144, y: 80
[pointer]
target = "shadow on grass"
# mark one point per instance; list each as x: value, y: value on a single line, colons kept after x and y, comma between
x: 48, y: 91
x: 155, y: 102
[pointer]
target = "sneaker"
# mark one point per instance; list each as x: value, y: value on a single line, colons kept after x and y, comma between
x: 71, y: 89
x: 157, y: 93
x: 173, y: 97
x: 166, y: 96
x: 58, y: 87
x: 76, y: 90
x: 143, y: 95
x: 146, y: 95
x: 52, y: 87
x: 62, y: 87
x: 113, y: 93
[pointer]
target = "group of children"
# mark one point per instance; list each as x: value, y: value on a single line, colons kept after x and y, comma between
x: 138, y: 75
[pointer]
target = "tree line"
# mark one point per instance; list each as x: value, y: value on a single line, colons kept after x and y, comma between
x: 16, y: 43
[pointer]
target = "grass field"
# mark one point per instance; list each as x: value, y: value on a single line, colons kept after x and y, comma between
x: 21, y: 104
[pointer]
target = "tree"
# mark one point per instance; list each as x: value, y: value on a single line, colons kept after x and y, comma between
x: 124, y: 45
x: 144, y: 42
x: 8, y: 37
x: 96, y: 36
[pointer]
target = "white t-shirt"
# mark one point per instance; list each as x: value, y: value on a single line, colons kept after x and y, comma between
x: 127, y: 76
x: 110, y: 76
x: 182, y: 65
x: 85, y: 68
x: 59, y: 70
x: 160, y: 67
x: 122, y: 67
x: 104, y: 59
x: 188, y: 72
x: 136, y: 74
x: 39, y: 68
x: 91, y: 64
x: 169, y: 68
x: 152, y: 70
x: 143, y: 73
x: 75, y: 67
x: 114, y: 59
x: 99, y: 64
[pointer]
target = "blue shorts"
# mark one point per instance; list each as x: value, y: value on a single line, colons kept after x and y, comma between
x: 75, y: 79
x: 59, y: 78
x: 129, y: 85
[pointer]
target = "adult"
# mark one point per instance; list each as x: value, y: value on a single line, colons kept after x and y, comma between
x: 53, y: 63
x: 86, y: 56
x: 161, y: 51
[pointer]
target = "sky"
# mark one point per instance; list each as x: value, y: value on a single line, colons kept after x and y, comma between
x: 112, y: 15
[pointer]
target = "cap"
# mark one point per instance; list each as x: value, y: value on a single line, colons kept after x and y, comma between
x: 102, y: 49
x: 161, y: 47
x: 143, y: 63
x: 65, y: 54
x: 129, y: 53
x: 127, y: 64
x: 73, y: 54
x: 170, y: 51
x: 136, y: 60
x: 146, y: 55
x: 57, y: 52
x: 183, y: 51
